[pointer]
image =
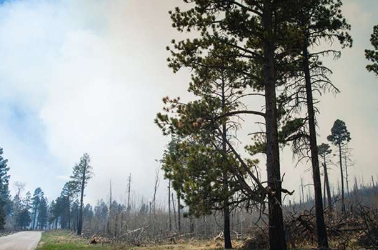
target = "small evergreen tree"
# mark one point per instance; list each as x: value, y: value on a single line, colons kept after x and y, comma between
x: 339, y: 137
x: 75, y: 215
x: 53, y: 214
x: 36, y: 200
x: 325, y: 150
x: 27, y: 202
x: 69, y: 192
x: 4, y: 189
x: 17, y: 208
x: 42, y: 213
x: 88, y: 213
x: 372, y: 55
x: 23, y: 219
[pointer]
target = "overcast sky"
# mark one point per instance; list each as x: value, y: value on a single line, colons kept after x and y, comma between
x: 82, y: 76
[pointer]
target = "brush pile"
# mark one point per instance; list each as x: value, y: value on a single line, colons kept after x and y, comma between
x: 356, y: 227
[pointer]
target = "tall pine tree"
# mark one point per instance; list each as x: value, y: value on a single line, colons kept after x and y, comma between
x: 36, y: 200
x: 339, y: 137
x: 42, y: 213
x: 4, y: 188
x: 82, y: 173
x: 317, y: 21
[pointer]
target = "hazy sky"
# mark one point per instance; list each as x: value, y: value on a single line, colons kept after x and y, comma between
x: 88, y: 76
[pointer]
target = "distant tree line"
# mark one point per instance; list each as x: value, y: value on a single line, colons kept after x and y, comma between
x: 33, y: 212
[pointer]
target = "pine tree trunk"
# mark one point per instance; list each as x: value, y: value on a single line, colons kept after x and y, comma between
x: 342, y: 180
x: 69, y: 213
x: 116, y: 224
x: 321, y: 229
x: 277, y: 239
x: 34, y: 219
x: 191, y: 221
x: 302, y: 189
x: 80, y: 220
x: 226, y: 228
x: 169, y: 206
x: 324, y: 192
x: 174, y: 211
x: 179, y: 213
x: 121, y: 227
x: 327, y: 186
x: 346, y: 174
x: 226, y: 208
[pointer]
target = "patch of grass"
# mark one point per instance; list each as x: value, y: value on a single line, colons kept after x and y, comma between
x: 63, y: 240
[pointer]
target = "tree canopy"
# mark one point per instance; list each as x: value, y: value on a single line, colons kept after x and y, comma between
x: 339, y: 133
x: 372, y: 55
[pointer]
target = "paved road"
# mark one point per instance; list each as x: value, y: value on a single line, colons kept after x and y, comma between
x: 20, y: 241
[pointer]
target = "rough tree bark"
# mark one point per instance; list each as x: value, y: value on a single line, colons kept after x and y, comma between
x: 277, y: 239
x: 321, y: 229
x: 226, y: 207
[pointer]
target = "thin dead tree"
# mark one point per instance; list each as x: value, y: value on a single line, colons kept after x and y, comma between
x: 110, y: 206
x: 178, y: 213
x: 174, y: 211
x: 156, y: 186
x: 169, y: 206
x: 128, y: 193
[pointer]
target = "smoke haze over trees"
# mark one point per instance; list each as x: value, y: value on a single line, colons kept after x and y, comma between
x: 203, y: 119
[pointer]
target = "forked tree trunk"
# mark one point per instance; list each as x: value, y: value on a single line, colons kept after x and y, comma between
x: 320, y: 225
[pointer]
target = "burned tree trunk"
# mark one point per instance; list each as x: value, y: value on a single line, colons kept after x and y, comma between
x: 326, y: 185
x: 277, y: 239
x: 342, y: 180
x: 321, y: 229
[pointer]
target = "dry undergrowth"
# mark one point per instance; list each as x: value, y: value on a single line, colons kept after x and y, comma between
x: 63, y: 240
